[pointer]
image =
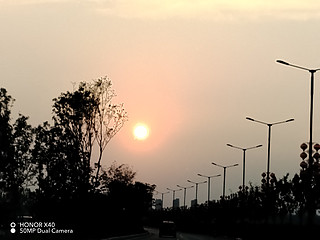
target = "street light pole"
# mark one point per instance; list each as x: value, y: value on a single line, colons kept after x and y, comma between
x: 209, y: 177
x: 185, y: 193
x: 162, y: 199
x: 244, y: 160
x: 224, y: 175
x: 162, y: 193
x: 312, y: 72
x: 196, y: 183
x: 173, y: 195
x: 269, y: 141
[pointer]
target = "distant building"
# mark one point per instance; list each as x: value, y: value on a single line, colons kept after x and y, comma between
x: 193, y: 202
x: 176, y: 203
x: 158, y: 204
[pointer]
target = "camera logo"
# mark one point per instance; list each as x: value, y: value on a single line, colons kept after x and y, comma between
x: 12, y: 225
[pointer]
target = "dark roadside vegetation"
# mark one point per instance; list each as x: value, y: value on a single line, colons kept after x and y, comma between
x: 283, y: 209
x: 246, y: 215
x: 49, y: 173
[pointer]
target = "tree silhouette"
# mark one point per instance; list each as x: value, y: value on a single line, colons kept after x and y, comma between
x: 22, y: 167
x: 117, y: 173
x: 73, y: 137
x: 15, y: 142
x: 6, y: 138
x: 48, y: 172
x: 17, y: 170
x: 109, y: 118
x: 128, y: 200
x: 63, y: 151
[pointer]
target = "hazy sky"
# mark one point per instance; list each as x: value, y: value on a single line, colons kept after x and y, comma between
x: 191, y: 70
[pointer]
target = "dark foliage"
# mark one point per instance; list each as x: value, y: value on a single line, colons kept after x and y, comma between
x: 280, y: 212
x: 48, y: 173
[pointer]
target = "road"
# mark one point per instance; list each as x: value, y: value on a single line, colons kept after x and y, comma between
x: 154, y: 234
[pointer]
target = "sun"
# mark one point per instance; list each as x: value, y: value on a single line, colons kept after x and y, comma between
x: 140, y: 132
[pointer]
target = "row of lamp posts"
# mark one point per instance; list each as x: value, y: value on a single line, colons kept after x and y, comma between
x: 196, y: 185
x: 305, y: 164
x: 234, y: 165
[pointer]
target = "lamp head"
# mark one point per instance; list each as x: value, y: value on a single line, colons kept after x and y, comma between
x: 251, y: 119
x: 282, y: 62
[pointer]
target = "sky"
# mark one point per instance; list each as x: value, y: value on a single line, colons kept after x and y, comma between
x: 192, y: 71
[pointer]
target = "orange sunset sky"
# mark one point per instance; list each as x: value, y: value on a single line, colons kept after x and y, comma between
x: 191, y: 71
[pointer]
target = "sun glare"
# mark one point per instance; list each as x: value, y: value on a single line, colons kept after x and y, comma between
x: 140, y: 132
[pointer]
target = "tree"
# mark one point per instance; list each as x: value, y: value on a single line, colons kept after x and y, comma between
x: 57, y: 157
x: 41, y: 154
x: 22, y: 167
x: 63, y: 151
x: 6, y: 138
x: 16, y: 167
x: 128, y: 200
x: 74, y: 136
x: 109, y: 118
x: 120, y: 187
x: 62, y: 173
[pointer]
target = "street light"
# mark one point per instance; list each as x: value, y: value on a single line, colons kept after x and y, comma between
x: 312, y: 72
x: 269, y: 141
x: 244, y: 159
x: 173, y: 194
x: 224, y: 175
x: 162, y: 193
x: 185, y: 193
x: 209, y: 177
x: 196, y: 183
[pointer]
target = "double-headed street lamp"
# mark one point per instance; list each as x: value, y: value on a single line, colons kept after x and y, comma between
x: 185, y: 193
x: 196, y: 183
x: 173, y: 194
x: 209, y: 177
x: 224, y: 175
x: 312, y: 72
x: 269, y: 141
x: 244, y: 160
x: 162, y: 193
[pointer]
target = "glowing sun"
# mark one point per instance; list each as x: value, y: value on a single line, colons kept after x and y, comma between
x: 140, y: 132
